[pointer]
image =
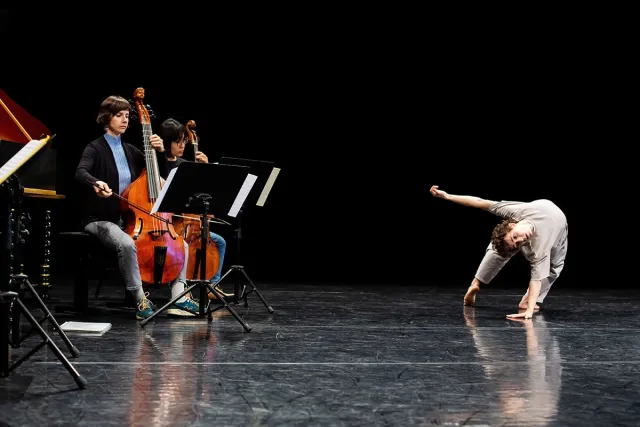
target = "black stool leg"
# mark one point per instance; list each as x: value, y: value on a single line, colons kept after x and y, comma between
x: 5, y: 309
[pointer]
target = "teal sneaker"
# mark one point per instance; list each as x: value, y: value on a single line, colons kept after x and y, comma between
x: 144, y: 308
x: 187, y: 305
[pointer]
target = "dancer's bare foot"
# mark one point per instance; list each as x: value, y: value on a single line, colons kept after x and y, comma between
x: 525, y: 304
x: 470, y: 297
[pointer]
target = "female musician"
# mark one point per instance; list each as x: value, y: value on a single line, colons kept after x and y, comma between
x: 173, y: 136
x: 111, y: 163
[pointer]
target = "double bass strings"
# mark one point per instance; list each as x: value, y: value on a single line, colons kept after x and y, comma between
x: 152, y: 169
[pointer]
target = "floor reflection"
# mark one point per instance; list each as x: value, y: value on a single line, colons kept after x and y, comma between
x: 171, y: 395
x: 528, y: 393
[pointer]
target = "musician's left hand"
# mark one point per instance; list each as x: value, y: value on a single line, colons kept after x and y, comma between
x: 201, y: 157
x: 156, y: 142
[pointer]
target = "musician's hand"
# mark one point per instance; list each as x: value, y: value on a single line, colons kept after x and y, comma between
x: 201, y: 157
x: 156, y: 142
x: 104, y: 191
x: 162, y: 181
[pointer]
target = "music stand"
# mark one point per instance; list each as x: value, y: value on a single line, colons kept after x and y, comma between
x: 266, y: 173
x: 203, y: 189
x: 11, y: 306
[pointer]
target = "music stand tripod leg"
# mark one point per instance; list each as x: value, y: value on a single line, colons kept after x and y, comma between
x: 236, y: 291
x: 226, y: 305
x: 22, y: 278
x: 254, y: 289
x: 13, y: 296
x: 201, y: 284
x: 203, y: 201
x: 238, y: 295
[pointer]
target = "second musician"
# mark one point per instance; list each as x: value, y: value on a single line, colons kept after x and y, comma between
x: 173, y: 136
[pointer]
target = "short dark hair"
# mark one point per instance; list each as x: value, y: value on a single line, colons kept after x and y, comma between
x: 110, y: 107
x: 498, y: 235
x: 171, y: 130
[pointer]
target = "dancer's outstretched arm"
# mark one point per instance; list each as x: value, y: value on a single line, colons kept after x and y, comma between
x: 472, y: 201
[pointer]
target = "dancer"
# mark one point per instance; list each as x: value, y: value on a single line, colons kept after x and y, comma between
x: 538, y: 229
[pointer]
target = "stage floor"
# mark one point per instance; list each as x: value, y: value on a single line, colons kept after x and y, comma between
x: 346, y: 356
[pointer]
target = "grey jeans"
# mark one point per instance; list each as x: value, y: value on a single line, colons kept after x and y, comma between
x: 114, y: 238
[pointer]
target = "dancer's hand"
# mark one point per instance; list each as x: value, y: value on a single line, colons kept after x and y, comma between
x: 526, y: 315
x: 438, y: 193
x: 470, y: 296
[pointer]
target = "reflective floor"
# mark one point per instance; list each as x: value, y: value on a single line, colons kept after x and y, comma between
x: 346, y: 356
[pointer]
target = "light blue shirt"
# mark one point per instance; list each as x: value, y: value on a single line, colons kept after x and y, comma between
x: 124, y: 174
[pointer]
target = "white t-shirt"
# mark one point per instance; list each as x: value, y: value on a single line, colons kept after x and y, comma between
x: 549, y: 228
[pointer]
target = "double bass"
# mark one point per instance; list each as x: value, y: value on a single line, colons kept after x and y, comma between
x: 160, y: 250
x: 192, y: 228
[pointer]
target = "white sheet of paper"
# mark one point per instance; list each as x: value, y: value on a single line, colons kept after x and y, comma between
x: 267, y: 187
x: 90, y: 327
x: 20, y: 158
x: 156, y: 205
x: 242, y: 194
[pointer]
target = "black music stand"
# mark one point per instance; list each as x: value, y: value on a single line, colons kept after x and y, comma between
x: 203, y: 189
x: 266, y: 173
x: 11, y: 286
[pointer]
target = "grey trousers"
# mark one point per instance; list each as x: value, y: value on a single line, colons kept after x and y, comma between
x: 114, y: 238
x: 492, y: 263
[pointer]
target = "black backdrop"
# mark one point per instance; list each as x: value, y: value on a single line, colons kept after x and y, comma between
x: 361, y: 125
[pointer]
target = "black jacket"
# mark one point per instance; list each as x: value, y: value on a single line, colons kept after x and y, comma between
x: 174, y: 164
x: 98, y: 164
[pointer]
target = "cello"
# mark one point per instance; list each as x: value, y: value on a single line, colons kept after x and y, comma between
x: 193, y: 229
x: 160, y: 250
x: 192, y: 138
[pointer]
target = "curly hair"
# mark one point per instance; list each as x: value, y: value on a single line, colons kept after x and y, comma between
x: 498, y: 235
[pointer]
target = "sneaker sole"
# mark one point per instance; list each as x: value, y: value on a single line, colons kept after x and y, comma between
x: 176, y: 312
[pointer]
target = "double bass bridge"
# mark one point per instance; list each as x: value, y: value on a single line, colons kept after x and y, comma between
x: 154, y: 233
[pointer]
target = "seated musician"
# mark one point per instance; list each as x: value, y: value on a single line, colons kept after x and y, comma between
x: 173, y: 136
x: 113, y: 164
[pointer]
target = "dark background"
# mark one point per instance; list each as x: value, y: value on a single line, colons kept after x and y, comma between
x: 362, y: 118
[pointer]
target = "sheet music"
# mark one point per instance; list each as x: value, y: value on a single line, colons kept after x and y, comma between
x: 165, y: 187
x: 21, y: 158
x: 268, y: 186
x: 242, y: 194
